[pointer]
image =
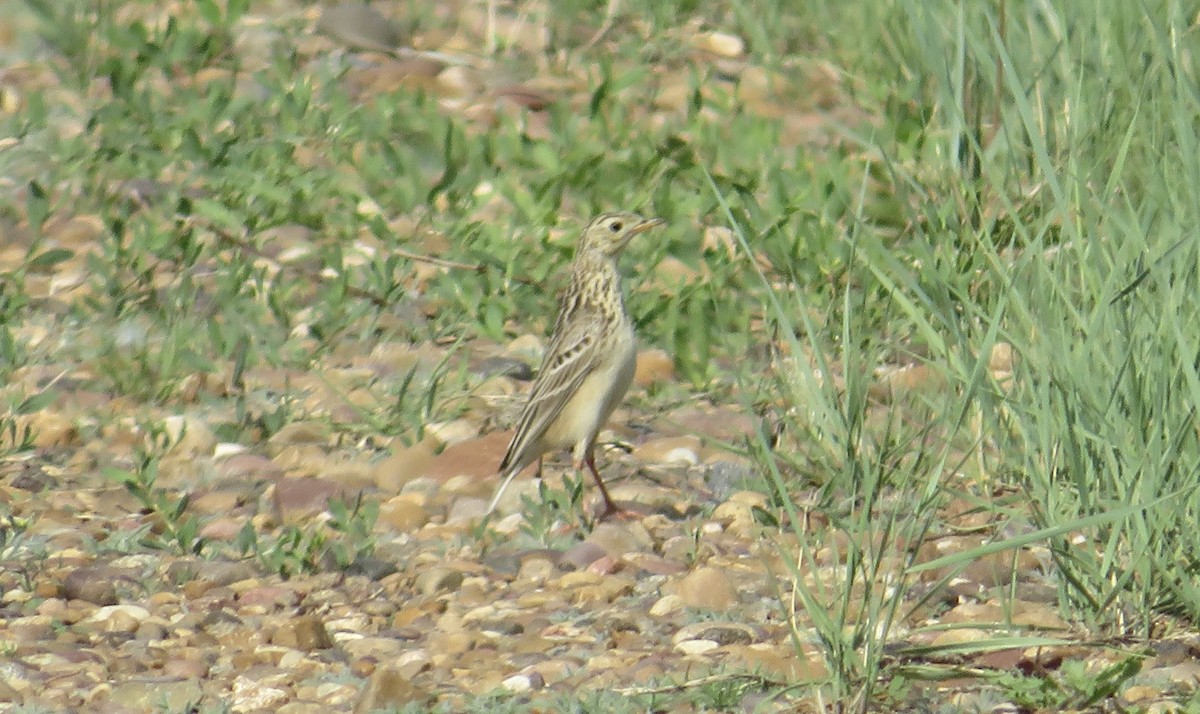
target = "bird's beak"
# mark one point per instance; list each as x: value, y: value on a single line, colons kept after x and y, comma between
x: 646, y: 225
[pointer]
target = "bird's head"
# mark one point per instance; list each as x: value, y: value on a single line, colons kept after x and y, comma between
x: 609, y: 233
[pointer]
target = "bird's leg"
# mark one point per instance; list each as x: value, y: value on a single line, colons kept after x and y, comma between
x: 609, y: 507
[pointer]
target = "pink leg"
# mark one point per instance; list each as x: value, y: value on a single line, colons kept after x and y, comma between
x: 609, y: 506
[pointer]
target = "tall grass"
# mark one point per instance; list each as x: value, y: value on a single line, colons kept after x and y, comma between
x: 1051, y: 200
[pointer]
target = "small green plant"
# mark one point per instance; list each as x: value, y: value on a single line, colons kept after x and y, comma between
x: 346, y: 537
x: 16, y: 437
x: 355, y: 524
x: 1073, y: 687
x: 724, y: 693
x: 174, y: 528
x: 555, y: 511
x: 291, y: 551
x: 12, y: 534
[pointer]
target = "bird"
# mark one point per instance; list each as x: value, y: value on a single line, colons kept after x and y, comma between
x: 589, y: 362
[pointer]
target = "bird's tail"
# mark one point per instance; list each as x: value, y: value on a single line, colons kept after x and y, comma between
x: 508, y: 477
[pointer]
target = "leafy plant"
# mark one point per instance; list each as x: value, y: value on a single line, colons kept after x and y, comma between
x: 555, y: 511
x: 173, y: 527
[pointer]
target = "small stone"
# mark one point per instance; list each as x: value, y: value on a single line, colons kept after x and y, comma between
x: 216, y: 572
x: 150, y: 632
x: 667, y: 605
x: 723, y: 477
x: 411, y: 663
x: 371, y: 568
x: 306, y: 633
x: 529, y: 347
x: 707, y: 588
x: 670, y: 450
x: 214, y: 502
x: 605, y: 566
x: 720, y: 239
x: 721, y: 44
x: 298, y: 498
x: 537, y: 570
x: 300, y: 432
x: 607, y: 590
x: 894, y: 382
x: 723, y: 633
x: 51, y: 428
x: 185, y: 669
x: 223, y: 529
x: 120, y: 618
x: 1140, y: 693
x: 147, y: 694
x: 404, y: 513
x: 189, y: 437
x: 405, y: 465
x: 696, y: 647
x: 33, y: 478
x: 250, y: 695
x: 1001, y: 357
x: 617, y: 539
x: 960, y: 637
x: 779, y: 661
x: 389, y: 690
x: 653, y: 564
x: 466, y: 509
x: 649, y: 498
x: 459, y: 81
x: 474, y: 458
x: 517, y: 684
x: 234, y: 462
x: 581, y: 555
x: 92, y: 584
x: 653, y: 366
x: 453, y: 432
x: 438, y: 580
x: 77, y: 231
x: 359, y: 26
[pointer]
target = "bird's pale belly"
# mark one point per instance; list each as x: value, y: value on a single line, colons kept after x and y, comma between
x: 584, y: 415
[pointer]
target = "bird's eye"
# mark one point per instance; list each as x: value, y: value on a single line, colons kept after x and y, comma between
x: 614, y: 226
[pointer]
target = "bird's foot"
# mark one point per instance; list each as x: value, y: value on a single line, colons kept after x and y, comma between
x: 630, y: 511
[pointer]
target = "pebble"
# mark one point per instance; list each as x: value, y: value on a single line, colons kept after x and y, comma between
x: 707, y: 588
x: 406, y: 464
x: 306, y: 633
x: 666, y: 605
x: 696, y: 647
x: 723, y: 477
x: 674, y: 450
x: 148, y: 694
x: 518, y: 684
x: 581, y: 555
x: 94, y: 584
x: 653, y: 366
x: 723, y: 633
x: 404, y: 513
x: 452, y: 432
x: 528, y: 347
x: 721, y: 44
x: 618, y: 538
x: 435, y: 580
x: 120, y: 618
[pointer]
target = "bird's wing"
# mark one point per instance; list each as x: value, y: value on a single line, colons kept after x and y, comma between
x: 571, y: 356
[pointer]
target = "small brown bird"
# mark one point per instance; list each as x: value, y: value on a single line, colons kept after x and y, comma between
x: 590, y: 360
